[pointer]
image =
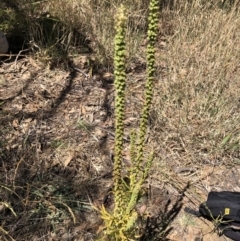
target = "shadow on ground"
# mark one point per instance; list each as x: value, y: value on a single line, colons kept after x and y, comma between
x: 158, y: 227
x: 40, y: 200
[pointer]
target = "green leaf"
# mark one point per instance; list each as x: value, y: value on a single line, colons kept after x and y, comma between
x: 226, y: 139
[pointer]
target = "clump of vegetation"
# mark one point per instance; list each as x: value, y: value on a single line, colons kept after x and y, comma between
x: 121, y: 223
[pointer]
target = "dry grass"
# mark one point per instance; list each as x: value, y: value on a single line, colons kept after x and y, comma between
x: 67, y: 25
x: 196, y: 112
x: 200, y: 92
x: 194, y: 120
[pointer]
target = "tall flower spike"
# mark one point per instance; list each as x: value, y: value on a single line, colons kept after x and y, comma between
x: 152, y: 37
x: 121, y: 224
x: 119, y: 83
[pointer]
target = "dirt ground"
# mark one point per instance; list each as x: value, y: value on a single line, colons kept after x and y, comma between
x: 57, y: 136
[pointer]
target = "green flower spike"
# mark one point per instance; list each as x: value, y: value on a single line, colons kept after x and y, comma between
x: 121, y: 224
x: 152, y: 37
x: 120, y: 84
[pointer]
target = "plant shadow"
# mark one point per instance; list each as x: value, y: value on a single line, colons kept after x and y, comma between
x: 157, y: 228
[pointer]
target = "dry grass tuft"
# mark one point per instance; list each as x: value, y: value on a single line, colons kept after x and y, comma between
x: 57, y: 27
x: 196, y: 109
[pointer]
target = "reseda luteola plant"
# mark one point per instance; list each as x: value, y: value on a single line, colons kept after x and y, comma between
x: 121, y: 223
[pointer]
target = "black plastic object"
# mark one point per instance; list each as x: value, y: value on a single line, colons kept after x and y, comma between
x: 224, y: 207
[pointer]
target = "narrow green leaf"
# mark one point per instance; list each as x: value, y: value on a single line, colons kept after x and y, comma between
x: 226, y: 139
